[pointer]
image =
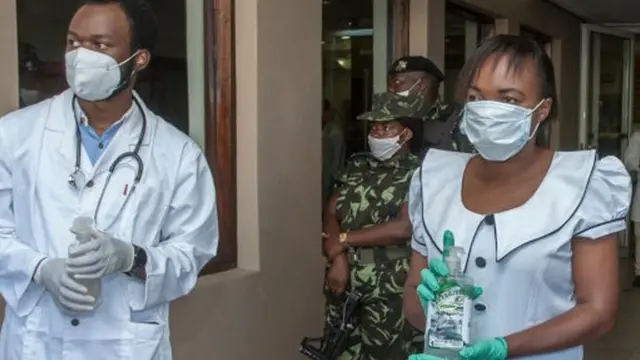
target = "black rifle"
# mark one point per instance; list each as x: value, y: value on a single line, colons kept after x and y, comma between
x: 336, y: 333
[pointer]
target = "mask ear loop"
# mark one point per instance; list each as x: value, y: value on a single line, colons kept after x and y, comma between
x: 535, y: 129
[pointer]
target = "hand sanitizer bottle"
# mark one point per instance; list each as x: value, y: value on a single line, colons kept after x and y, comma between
x: 83, y: 228
x: 448, y: 316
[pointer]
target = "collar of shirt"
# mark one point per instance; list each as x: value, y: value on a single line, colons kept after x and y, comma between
x: 83, y: 120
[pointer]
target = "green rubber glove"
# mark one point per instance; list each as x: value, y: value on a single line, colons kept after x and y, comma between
x: 493, y: 349
x: 424, y: 357
x: 430, y: 282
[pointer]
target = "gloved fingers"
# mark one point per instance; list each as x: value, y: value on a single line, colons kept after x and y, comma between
x: 91, y: 246
x: 438, y: 267
x: 93, y: 271
x: 423, y: 357
x: 494, y: 349
x: 72, y: 297
x: 429, y: 280
x: 69, y: 284
x: 84, y: 260
x: 73, y: 306
x: 468, y: 353
x: 425, y: 295
x: 476, y: 291
x: 99, y: 234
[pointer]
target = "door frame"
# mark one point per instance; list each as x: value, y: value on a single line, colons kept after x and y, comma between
x: 585, y: 77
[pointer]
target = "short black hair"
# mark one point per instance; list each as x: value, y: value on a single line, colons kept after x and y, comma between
x: 142, y: 21
x: 520, y: 52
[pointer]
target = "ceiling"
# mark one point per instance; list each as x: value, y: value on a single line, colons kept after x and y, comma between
x: 604, y: 11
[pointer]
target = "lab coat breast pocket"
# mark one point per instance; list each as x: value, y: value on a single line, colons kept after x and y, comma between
x: 146, y: 211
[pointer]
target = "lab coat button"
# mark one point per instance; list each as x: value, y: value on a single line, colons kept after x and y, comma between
x: 90, y: 183
x: 481, y: 262
x: 75, y: 322
x: 480, y: 307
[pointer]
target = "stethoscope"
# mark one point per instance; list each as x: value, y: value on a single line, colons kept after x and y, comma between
x: 76, y: 178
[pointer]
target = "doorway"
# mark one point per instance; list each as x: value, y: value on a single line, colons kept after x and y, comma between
x: 606, y: 90
x: 606, y: 96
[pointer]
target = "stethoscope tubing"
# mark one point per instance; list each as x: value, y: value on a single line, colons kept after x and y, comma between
x: 129, y: 154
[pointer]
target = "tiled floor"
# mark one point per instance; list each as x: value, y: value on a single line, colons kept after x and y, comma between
x: 624, y: 342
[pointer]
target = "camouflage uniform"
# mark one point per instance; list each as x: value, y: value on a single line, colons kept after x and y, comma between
x: 370, y: 193
x: 441, y: 130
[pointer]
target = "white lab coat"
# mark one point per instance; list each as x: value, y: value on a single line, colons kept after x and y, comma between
x: 632, y: 162
x: 172, y: 214
x: 521, y: 257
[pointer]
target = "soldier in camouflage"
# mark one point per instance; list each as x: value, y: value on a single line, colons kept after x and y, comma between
x: 365, y: 239
x: 419, y: 75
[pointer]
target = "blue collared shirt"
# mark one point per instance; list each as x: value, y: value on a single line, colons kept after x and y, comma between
x: 94, y: 144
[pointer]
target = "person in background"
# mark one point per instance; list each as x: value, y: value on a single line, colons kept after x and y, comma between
x: 632, y: 163
x: 420, y: 76
x: 366, y: 231
x: 97, y: 151
x: 29, y: 66
x: 333, y: 149
x: 538, y: 227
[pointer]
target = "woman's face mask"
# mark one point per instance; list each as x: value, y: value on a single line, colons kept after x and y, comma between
x: 384, y: 149
x: 496, y: 129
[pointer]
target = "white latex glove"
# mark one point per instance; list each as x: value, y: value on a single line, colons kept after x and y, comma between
x: 66, y: 292
x: 101, y: 256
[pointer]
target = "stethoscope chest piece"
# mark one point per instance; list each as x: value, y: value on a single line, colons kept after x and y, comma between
x: 77, y: 179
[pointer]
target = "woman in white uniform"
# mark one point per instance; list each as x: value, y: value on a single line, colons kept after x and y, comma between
x: 538, y: 226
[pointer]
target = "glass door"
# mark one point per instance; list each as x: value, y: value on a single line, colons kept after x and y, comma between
x: 606, y: 91
x: 606, y: 94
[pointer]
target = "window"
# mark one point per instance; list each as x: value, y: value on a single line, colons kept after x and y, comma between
x: 192, y: 89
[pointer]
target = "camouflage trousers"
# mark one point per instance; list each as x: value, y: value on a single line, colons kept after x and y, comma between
x: 381, y: 332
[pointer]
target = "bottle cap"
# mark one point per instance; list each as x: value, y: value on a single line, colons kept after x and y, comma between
x: 82, y: 225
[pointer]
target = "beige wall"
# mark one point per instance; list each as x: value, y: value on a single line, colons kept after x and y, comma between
x: 563, y: 27
x: 263, y: 310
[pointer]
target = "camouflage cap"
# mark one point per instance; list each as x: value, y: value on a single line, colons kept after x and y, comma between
x: 391, y: 106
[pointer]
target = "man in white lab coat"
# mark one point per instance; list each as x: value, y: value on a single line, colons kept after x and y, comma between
x: 632, y: 162
x: 96, y: 150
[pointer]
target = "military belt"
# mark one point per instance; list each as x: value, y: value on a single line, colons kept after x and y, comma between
x: 371, y: 255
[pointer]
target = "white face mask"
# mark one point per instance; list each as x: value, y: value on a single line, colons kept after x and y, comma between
x: 93, y: 76
x: 497, y: 130
x: 408, y: 91
x: 384, y: 149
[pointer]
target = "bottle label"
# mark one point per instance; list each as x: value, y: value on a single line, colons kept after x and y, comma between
x: 448, y: 320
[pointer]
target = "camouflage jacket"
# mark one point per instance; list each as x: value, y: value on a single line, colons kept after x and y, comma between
x: 371, y: 192
x: 442, y: 131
